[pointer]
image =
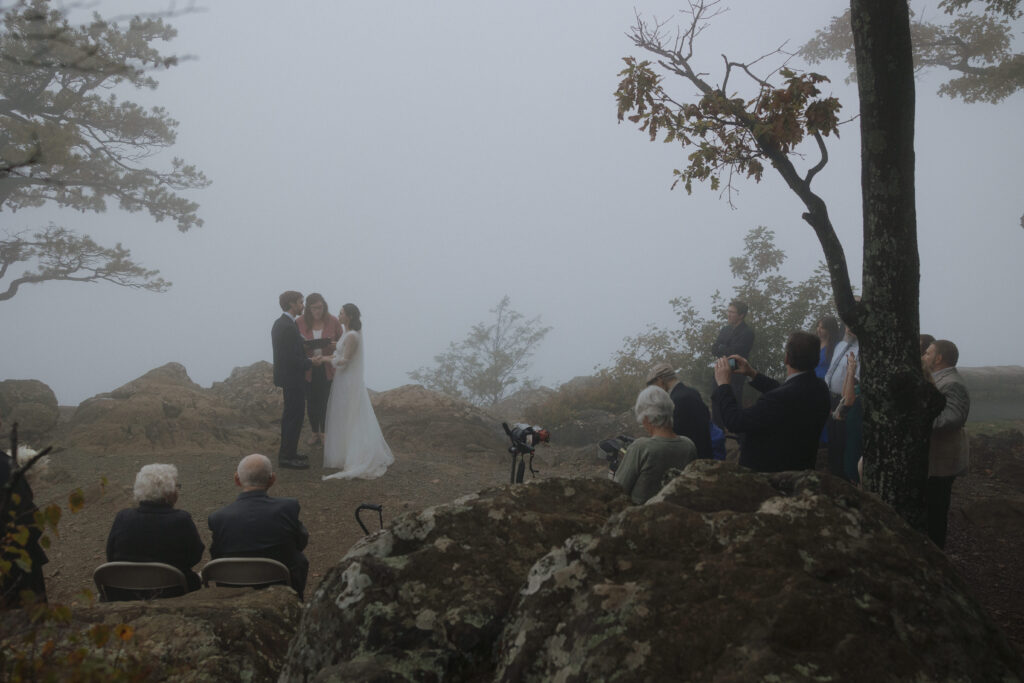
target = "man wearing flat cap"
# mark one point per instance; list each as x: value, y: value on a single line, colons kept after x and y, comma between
x: 691, y: 417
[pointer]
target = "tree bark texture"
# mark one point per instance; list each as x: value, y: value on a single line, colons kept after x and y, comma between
x: 897, y: 426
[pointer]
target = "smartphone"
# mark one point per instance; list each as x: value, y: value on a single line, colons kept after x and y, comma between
x: 732, y: 363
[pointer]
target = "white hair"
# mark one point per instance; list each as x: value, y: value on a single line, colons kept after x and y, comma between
x: 255, y: 471
x: 40, y: 470
x: 656, y: 405
x: 156, y: 483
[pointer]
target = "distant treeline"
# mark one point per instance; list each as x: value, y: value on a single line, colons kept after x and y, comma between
x: 997, y: 393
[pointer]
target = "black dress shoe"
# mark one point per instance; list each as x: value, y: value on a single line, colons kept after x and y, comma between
x: 294, y: 464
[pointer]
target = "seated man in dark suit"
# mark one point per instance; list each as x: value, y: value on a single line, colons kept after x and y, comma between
x: 781, y: 430
x: 155, y: 531
x: 256, y: 525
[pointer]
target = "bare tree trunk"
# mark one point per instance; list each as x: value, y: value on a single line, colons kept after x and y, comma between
x: 897, y: 425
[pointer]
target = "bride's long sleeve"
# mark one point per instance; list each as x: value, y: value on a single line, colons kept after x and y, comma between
x: 346, y: 349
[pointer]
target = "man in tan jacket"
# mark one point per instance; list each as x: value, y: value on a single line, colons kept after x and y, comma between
x: 949, y: 450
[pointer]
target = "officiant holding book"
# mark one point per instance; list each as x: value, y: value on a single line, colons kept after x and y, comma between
x: 320, y: 331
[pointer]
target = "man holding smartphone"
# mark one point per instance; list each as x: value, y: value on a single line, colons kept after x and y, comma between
x: 781, y: 430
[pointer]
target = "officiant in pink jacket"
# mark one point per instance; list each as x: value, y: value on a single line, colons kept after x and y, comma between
x: 317, y: 324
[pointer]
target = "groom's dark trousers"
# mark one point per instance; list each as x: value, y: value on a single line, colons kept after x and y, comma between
x: 290, y: 365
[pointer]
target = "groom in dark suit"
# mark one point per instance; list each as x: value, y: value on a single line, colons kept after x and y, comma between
x: 290, y: 365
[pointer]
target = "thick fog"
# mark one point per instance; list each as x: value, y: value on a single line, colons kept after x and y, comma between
x: 424, y: 159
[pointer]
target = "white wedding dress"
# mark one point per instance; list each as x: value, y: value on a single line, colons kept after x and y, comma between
x: 353, y: 441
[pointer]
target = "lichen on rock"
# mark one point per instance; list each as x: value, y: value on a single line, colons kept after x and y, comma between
x: 725, y: 575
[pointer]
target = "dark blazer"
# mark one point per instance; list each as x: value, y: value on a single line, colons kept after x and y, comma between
x: 256, y: 525
x: 734, y: 341
x: 156, y: 532
x: 290, y: 362
x: 780, y: 431
x: 691, y: 418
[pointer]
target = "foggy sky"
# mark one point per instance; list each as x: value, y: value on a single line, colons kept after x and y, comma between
x: 424, y: 159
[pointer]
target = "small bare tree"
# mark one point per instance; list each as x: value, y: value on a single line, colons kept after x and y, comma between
x: 491, y: 360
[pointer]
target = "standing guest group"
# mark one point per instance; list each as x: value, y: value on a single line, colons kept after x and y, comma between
x: 817, y: 403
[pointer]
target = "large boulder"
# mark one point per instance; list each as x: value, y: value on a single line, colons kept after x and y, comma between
x: 213, y: 635
x: 727, y: 575
x: 426, y: 599
x: 250, y: 390
x: 31, y: 404
x: 415, y: 419
x: 161, y: 410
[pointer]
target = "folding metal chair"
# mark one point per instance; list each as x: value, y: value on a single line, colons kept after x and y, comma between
x: 245, y: 572
x: 118, y: 581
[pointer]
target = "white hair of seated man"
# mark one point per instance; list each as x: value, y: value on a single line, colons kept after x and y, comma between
x: 255, y: 471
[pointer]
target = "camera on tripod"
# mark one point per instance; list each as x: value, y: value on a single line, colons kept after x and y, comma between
x: 524, y: 437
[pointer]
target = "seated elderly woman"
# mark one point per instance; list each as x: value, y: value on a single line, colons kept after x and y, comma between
x: 648, y: 459
x: 155, y: 531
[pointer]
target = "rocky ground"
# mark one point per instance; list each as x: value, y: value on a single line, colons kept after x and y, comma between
x: 986, y: 540
x: 986, y: 529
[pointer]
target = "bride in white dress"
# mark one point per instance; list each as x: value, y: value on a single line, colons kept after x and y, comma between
x: 353, y: 441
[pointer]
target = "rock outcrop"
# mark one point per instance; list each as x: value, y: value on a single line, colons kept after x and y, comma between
x: 726, y: 575
x: 214, y: 635
x: 165, y: 410
x: 426, y: 599
x: 732, y: 576
x: 161, y: 410
x: 250, y: 390
x: 33, y: 406
x: 415, y: 419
